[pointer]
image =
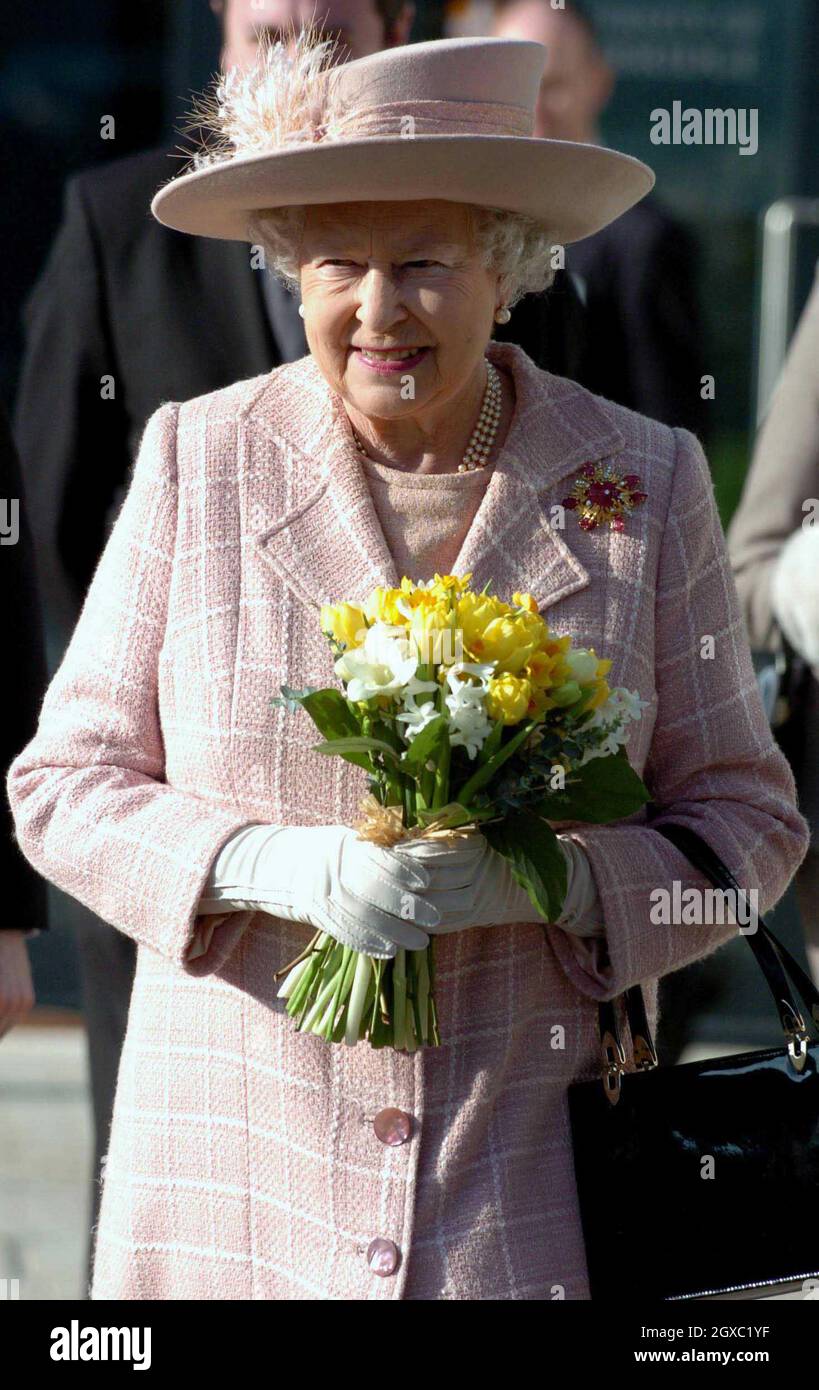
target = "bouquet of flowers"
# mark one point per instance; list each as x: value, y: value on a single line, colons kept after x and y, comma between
x: 468, y: 715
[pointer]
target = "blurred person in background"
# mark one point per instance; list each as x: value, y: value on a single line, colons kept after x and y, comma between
x: 773, y: 542
x: 24, y: 892
x: 127, y: 315
x: 642, y: 345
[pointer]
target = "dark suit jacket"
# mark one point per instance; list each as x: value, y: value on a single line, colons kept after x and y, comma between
x: 642, y: 341
x: 126, y: 315
x: 24, y: 891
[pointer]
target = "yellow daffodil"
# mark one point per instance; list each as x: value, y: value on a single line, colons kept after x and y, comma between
x: 382, y: 605
x: 525, y: 601
x: 345, y: 622
x: 450, y: 584
x: 547, y: 666
x: 601, y: 695
x: 433, y: 626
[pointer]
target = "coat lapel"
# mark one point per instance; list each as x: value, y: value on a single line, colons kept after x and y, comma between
x: 328, y: 544
x: 513, y: 542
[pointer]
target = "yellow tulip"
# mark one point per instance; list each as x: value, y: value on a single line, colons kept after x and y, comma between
x: 509, y: 641
x: 508, y: 698
x: 566, y: 694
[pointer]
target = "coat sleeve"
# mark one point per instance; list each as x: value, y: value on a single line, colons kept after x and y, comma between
x: 713, y: 764
x: 92, y: 810
x: 782, y: 481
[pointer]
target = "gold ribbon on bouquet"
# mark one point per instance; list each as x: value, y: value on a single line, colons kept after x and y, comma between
x: 383, y: 824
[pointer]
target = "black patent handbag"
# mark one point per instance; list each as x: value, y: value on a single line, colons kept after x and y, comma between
x: 702, y: 1180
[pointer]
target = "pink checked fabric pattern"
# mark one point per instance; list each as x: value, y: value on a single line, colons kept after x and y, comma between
x: 244, y: 1160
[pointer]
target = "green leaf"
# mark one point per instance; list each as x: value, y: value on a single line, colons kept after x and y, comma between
x: 334, y: 718
x: 454, y: 814
x: 485, y: 773
x: 531, y: 849
x: 343, y: 747
x: 291, y: 699
x: 604, y: 789
x: 492, y: 743
x: 424, y: 746
x: 331, y: 713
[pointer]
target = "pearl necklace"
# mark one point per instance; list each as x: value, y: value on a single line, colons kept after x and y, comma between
x: 483, y: 436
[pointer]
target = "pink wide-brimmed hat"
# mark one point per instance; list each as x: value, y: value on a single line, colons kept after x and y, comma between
x: 450, y: 119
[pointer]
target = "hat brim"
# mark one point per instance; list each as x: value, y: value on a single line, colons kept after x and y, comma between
x: 574, y: 189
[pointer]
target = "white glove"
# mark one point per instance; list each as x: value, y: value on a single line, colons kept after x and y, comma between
x: 489, y: 896
x: 367, y: 897
x: 795, y: 592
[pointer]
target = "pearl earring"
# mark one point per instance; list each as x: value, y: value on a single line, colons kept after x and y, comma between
x: 503, y: 315
x: 301, y: 310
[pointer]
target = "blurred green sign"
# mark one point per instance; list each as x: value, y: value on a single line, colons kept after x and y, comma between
x: 730, y: 65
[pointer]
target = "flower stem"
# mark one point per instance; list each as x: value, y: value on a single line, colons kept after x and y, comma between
x: 328, y: 983
x: 399, y: 995
x: 292, y: 978
x: 305, y: 987
x: 342, y: 988
x: 355, y: 1007
x: 423, y: 995
x: 311, y: 946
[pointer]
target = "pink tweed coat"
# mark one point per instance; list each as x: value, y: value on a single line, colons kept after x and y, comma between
x: 243, y: 1160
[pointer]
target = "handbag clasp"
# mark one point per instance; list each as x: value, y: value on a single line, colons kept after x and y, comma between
x: 614, y: 1065
x: 797, y: 1035
x: 798, y: 1039
x: 645, y: 1053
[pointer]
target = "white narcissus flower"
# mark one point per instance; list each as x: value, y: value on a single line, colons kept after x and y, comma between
x: 469, y: 724
x: 384, y: 664
x: 618, y: 709
x: 416, y: 717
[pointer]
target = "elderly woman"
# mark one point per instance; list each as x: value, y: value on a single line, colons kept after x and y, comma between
x: 248, y: 1160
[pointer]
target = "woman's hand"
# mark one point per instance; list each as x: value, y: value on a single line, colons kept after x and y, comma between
x: 367, y: 897
x: 16, y: 986
x: 480, y: 890
x: 474, y: 887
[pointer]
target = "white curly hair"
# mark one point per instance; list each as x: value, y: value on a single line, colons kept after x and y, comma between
x: 519, y: 248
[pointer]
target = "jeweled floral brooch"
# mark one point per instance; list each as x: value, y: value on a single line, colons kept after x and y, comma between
x: 600, y: 494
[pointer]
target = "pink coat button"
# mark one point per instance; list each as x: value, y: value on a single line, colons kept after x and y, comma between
x: 393, y: 1126
x: 383, y: 1256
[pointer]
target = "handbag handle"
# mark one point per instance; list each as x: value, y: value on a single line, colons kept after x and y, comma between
x: 771, y: 956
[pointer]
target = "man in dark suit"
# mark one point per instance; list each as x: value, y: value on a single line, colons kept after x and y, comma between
x: 24, y: 892
x: 642, y: 344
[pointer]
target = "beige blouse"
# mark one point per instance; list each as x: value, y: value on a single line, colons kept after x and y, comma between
x: 424, y: 517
